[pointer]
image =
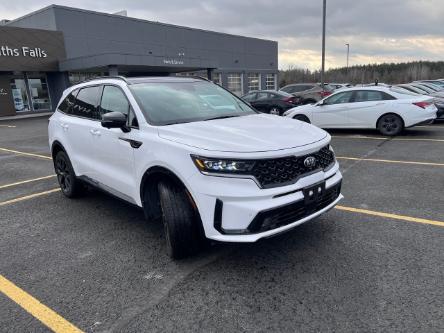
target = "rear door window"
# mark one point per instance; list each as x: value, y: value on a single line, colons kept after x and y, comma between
x: 86, y: 103
x: 370, y: 96
x: 68, y: 102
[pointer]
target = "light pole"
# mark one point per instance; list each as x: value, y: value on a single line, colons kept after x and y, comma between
x: 324, y: 9
x: 348, y: 55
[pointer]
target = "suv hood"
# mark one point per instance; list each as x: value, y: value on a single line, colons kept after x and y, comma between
x: 246, y: 134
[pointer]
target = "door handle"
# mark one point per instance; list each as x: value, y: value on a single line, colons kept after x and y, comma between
x: 95, y: 132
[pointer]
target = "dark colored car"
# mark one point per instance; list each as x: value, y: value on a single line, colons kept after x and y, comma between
x: 271, y: 101
x: 309, y: 93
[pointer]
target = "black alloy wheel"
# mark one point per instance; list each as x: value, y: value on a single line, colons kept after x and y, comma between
x: 69, y: 184
x: 390, y: 125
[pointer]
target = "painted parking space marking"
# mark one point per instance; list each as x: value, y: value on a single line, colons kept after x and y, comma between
x: 363, y: 137
x: 8, y: 126
x: 27, y: 197
x: 390, y: 216
x: 26, y: 181
x: 25, y: 153
x: 389, y: 161
x: 34, y: 307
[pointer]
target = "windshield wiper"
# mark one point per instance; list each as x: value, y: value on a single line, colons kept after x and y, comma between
x: 221, y: 117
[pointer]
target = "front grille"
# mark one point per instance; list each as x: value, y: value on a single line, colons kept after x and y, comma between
x: 287, y: 170
x: 279, y: 217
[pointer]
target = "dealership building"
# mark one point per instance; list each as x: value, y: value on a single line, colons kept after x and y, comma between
x: 46, y: 51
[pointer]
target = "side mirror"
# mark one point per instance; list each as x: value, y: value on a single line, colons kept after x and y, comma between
x: 320, y: 103
x: 115, y: 120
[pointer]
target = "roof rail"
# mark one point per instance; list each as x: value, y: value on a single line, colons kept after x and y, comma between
x: 198, y: 77
x: 118, y: 77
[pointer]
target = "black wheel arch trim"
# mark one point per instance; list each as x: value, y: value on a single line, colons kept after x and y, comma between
x: 167, y: 173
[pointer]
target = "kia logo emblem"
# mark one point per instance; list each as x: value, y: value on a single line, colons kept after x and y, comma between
x: 310, y: 162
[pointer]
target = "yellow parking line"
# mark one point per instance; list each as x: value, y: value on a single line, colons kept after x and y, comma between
x: 27, y: 197
x: 38, y: 310
x: 389, y: 161
x: 384, y: 139
x: 26, y: 181
x: 8, y: 126
x: 25, y: 154
x: 390, y: 216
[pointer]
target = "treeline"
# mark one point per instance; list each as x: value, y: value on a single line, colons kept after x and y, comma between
x: 386, y: 73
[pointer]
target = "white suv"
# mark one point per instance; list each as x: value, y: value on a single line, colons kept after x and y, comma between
x: 188, y: 151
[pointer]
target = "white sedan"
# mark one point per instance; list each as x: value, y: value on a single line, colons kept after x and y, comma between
x: 388, y: 109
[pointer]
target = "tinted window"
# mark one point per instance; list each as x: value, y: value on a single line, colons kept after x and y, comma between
x: 86, y: 103
x: 114, y: 100
x: 68, y: 102
x: 249, y: 97
x: 368, y: 96
x: 262, y: 96
x: 339, y: 98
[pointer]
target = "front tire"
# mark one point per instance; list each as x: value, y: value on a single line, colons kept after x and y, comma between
x: 390, y: 125
x: 275, y: 110
x: 181, y: 221
x: 70, y: 185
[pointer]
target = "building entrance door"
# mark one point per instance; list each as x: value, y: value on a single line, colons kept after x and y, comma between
x: 19, y: 95
x: 39, y: 93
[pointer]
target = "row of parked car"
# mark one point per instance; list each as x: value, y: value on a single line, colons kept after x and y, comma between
x: 387, y: 108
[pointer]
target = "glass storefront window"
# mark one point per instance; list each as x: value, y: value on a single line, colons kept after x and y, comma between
x: 39, y: 94
x: 217, y: 78
x: 270, y: 81
x: 19, y: 94
x: 254, y: 81
x: 235, y: 83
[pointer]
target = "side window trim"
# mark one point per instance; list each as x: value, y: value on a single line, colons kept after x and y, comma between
x: 73, y: 93
x: 77, y: 92
x: 130, y: 110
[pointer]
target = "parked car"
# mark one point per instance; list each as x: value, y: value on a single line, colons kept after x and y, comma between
x: 218, y: 170
x: 432, y: 86
x: 439, y: 83
x: 427, y: 89
x: 337, y: 86
x: 389, y: 110
x: 437, y: 100
x: 271, y: 101
x: 308, y: 92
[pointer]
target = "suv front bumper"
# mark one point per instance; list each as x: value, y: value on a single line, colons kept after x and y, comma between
x: 242, y: 212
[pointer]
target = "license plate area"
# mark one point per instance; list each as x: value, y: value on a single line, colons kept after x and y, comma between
x: 314, y: 193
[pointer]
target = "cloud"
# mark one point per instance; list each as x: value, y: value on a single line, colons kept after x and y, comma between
x: 377, y: 30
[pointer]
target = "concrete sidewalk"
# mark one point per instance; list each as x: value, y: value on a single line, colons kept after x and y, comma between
x: 25, y: 116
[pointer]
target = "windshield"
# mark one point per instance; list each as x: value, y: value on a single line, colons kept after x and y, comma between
x: 167, y: 103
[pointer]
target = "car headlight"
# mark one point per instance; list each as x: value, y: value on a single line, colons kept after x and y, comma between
x: 286, y: 113
x: 224, y: 166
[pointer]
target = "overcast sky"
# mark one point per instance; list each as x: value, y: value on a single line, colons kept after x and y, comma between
x: 377, y: 30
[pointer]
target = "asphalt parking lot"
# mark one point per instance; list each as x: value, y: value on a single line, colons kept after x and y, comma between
x: 94, y: 264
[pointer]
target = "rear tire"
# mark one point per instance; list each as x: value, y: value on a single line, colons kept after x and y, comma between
x: 182, y: 225
x: 390, y: 125
x: 70, y: 185
x: 302, y: 118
